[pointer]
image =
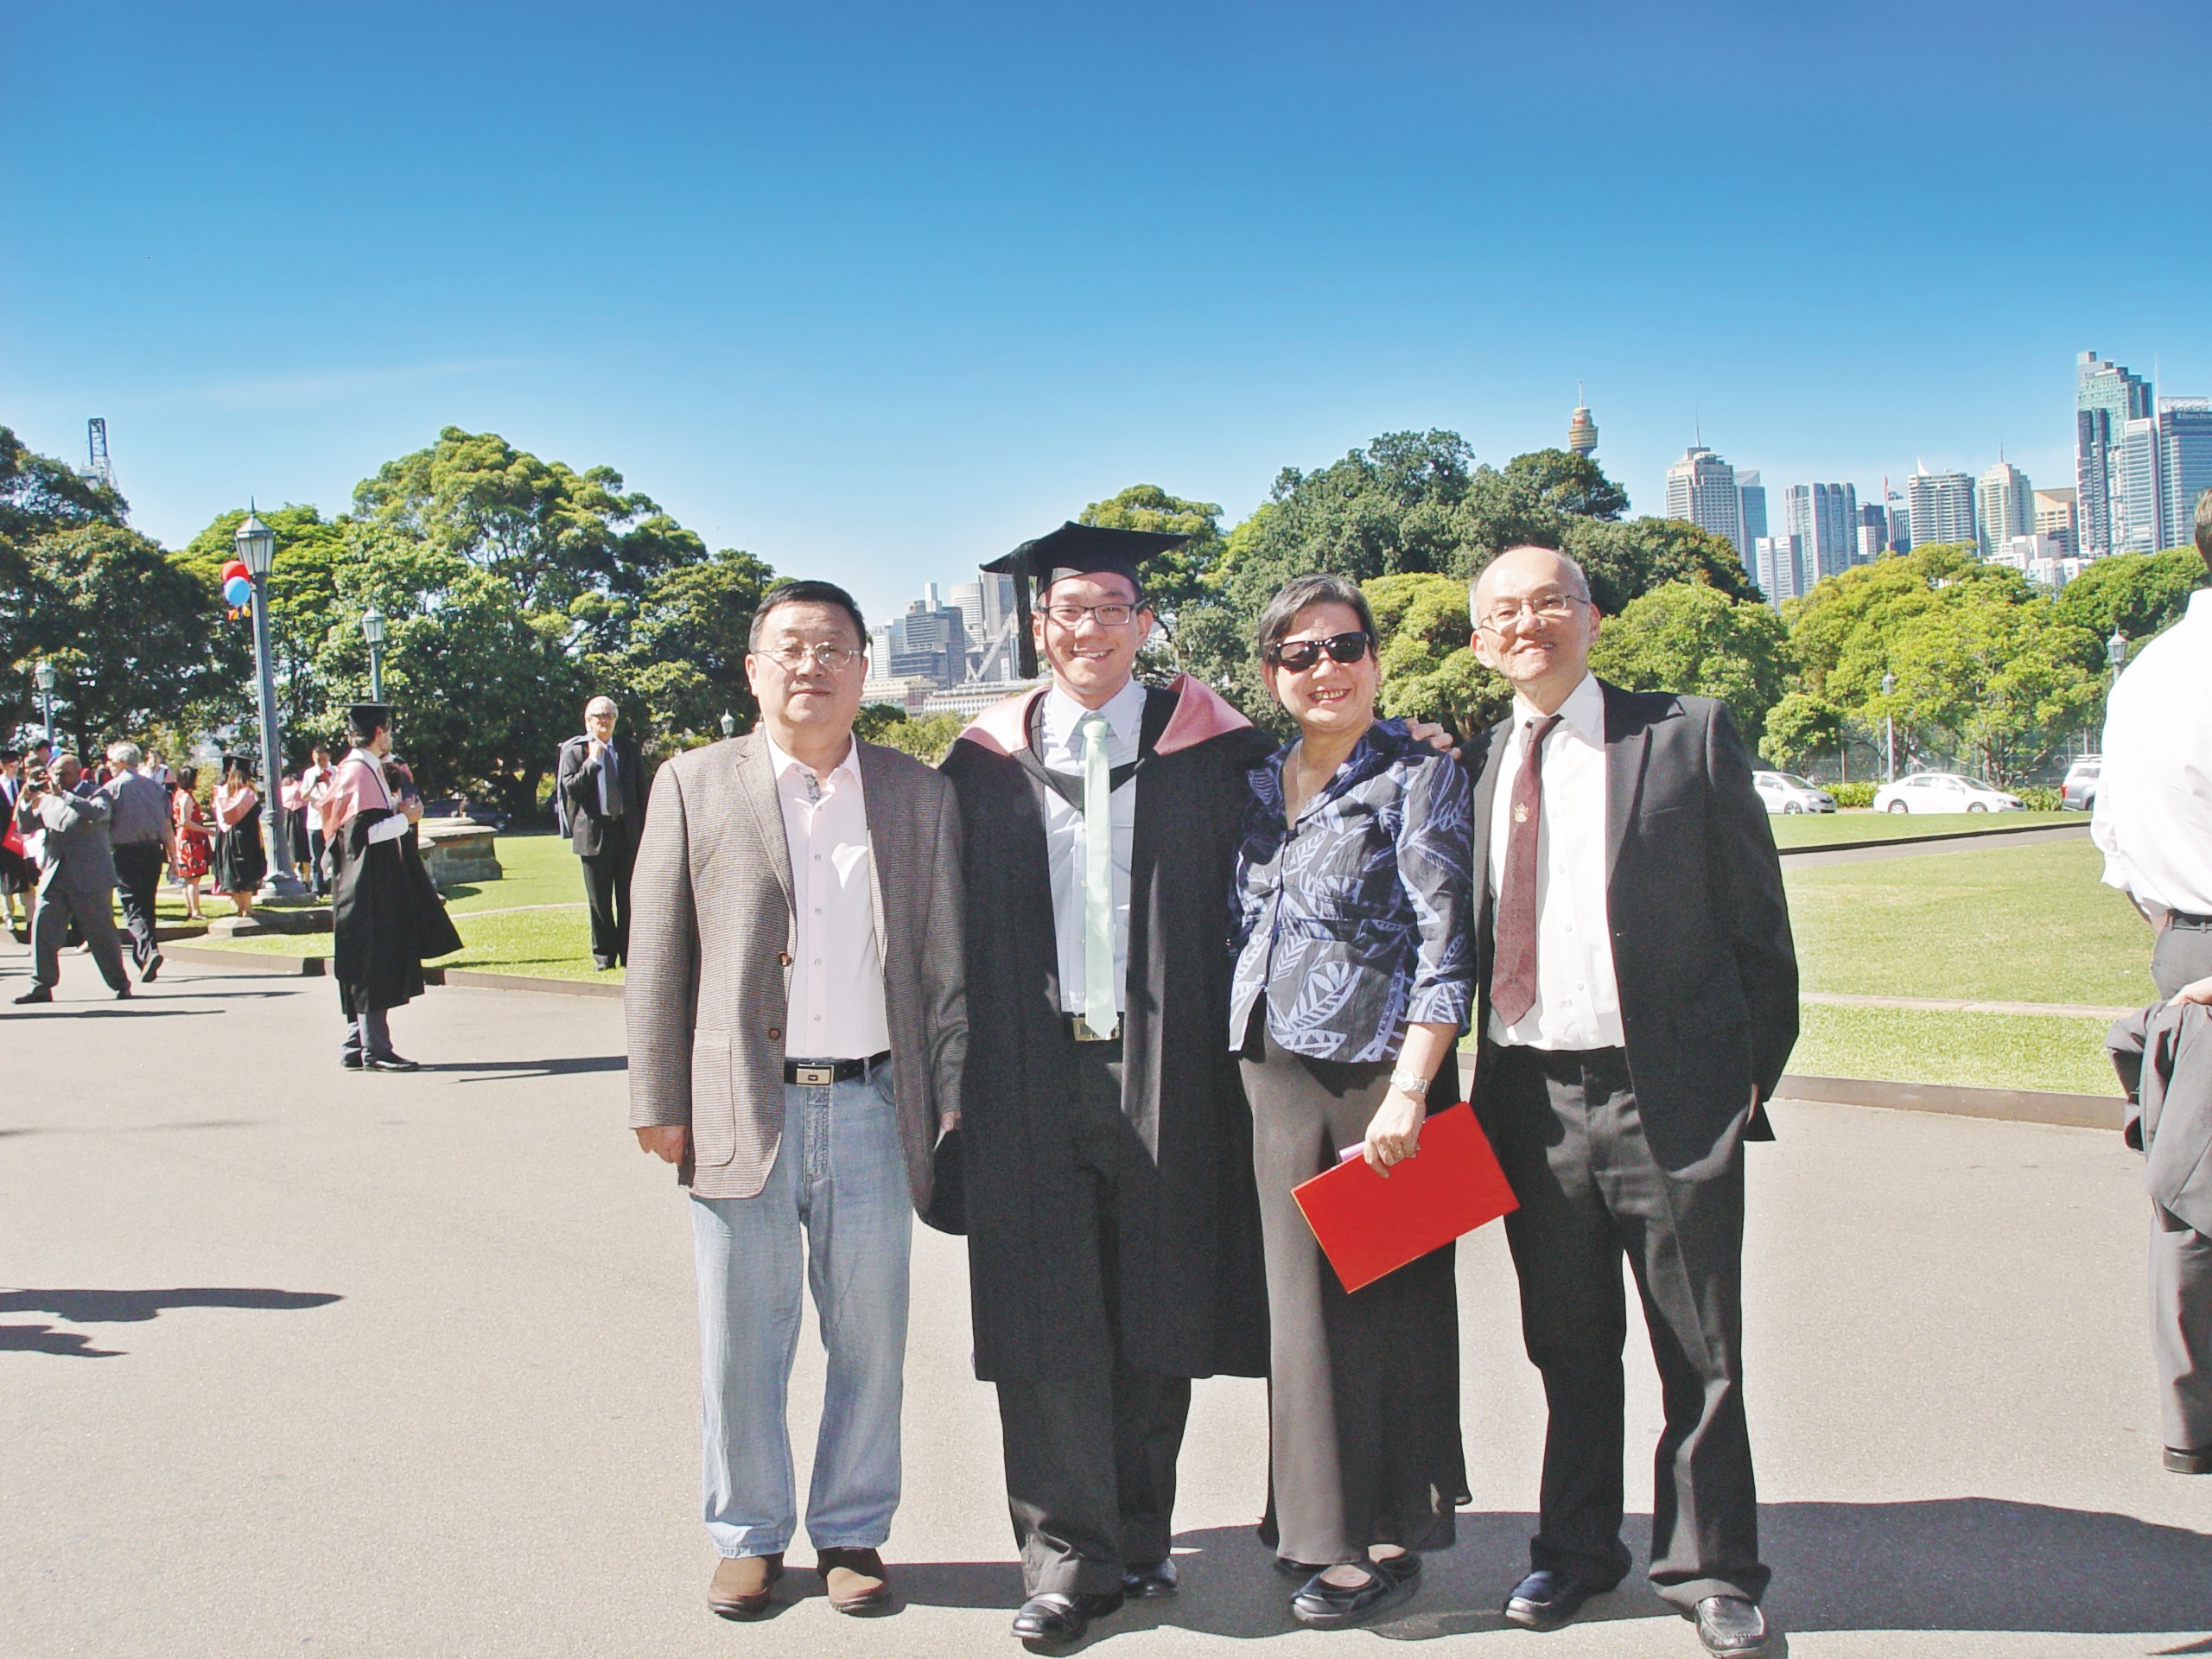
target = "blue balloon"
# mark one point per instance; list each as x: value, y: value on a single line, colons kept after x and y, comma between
x: 237, y: 592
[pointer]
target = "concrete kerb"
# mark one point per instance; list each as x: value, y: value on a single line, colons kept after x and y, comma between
x: 1999, y: 832
x: 319, y: 967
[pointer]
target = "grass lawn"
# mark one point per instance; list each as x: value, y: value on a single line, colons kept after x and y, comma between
x: 1820, y: 829
x: 1988, y: 1051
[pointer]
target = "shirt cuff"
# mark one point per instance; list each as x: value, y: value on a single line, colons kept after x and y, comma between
x: 390, y: 828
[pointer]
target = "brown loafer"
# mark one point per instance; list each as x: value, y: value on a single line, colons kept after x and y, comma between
x: 740, y: 1589
x: 856, y: 1581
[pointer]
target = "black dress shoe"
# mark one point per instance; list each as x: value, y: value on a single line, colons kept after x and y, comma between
x: 1051, y: 1620
x: 37, y: 994
x: 1324, y: 1606
x: 1733, y: 1627
x: 1545, y: 1600
x: 123, y: 994
x: 389, y: 1063
x: 1150, y: 1583
x: 350, y: 1059
x: 2178, y: 1462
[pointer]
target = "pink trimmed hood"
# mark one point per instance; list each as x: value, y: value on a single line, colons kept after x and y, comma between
x: 1200, y: 713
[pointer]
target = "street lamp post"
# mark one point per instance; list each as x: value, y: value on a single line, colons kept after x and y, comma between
x: 2116, y: 652
x: 729, y: 724
x: 42, y: 676
x: 1890, y: 726
x: 373, y: 630
x: 257, y: 545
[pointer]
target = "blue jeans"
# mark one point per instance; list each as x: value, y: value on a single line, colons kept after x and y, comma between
x: 840, y: 1178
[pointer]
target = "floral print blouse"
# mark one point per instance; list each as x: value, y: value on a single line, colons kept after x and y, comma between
x: 1354, y: 924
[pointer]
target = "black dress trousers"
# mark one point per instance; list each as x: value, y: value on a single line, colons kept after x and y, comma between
x: 1571, y: 1141
x: 607, y: 891
x: 137, y: 874
x: 1090, y: 1453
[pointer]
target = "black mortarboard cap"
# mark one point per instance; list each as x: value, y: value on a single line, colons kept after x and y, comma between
x: 1074, y: 549
x: 365, y: 717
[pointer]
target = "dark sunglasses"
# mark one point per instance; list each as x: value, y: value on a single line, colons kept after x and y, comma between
x: 1299, y: 655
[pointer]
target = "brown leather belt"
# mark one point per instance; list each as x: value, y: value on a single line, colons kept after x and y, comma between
x: 1079, y: 1028
x: 820, y: 1074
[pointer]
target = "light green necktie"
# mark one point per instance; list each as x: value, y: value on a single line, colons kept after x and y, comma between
x: 1098, y: 876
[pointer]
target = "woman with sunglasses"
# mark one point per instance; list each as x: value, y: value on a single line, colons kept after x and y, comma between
x: 1352, y: 984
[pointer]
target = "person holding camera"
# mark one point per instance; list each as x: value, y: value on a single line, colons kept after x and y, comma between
x: 76, y: 877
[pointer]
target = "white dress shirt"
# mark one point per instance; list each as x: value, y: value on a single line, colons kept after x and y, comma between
x: 1578, y: 999
x: 836, y: 988
x: 2153, y: 816
x: 1064, y: 842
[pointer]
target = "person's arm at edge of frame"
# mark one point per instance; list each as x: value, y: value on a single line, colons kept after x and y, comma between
x: 1435, y: 861
x: 945, y: 999
x: 1746, y: 873
x: 664, y: 971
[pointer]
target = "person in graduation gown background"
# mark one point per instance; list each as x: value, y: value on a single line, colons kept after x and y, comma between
x: 387, y: 919
x: 1106, y: 1155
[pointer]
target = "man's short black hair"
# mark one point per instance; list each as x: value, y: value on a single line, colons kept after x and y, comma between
x: 805, y: 592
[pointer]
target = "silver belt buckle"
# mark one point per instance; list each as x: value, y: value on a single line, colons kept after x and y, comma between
x: 816, y: 1077
x: 1081, y: 1028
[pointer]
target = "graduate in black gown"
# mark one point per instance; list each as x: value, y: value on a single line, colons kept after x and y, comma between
x: 1105, y: 1144
x: 386, y: 916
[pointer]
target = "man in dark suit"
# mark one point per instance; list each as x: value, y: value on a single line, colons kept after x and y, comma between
x: 1638, y: 999
x: 601, y: 788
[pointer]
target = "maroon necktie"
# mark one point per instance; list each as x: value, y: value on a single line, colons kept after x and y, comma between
x: 1513, y: 982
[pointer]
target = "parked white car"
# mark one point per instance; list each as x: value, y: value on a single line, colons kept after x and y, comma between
x: 1785, y: 791
x: 2078, y: 792
x: 1944, y: 791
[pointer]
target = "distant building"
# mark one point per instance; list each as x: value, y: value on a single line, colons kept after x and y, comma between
x: 1825, y: 518
x: 2004, y: 506
x: 2055, y: 518
x: 1751, y: 505
x: 900, y: 691
x: 986, y: 608
x: 1582, y: 432
x: 1701, y: 488
x: 2107, y: 397
x: 2139, y: 492
x: 929, y: 642
x: 1942, y: 505
x: 1873, y: 532
x: 2184, y: 464
x: 1778, y: 567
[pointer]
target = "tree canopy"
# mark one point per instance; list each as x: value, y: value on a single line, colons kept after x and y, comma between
x: 1687, y: 636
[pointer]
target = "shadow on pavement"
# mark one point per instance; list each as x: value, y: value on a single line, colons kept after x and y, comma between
x: 1947, y: 1564
x: 44, y: 1339
x: 79, y: 1011
x: 134, y: 1307
x: 497, y: 1070
x: 139, y: 1128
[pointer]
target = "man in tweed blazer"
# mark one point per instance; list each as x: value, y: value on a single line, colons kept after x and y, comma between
x: 797, y: 1020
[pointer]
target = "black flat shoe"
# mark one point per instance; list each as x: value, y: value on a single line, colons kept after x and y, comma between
x: 1545, y: 1600
x: 389, y: 1063
x: 2178, y: 1462
x: 1052, y: 1621
x: 349, y: 1061
x: 1150, y: 1583
x: 1324, y: 1606
x: 36, y: 993
x: 1731, y: 1627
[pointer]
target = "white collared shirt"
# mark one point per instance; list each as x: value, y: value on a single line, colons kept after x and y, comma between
x: 1065, y: 843
x: 836, y: 985
x: 2153, y: 816
x: 1578, y: 1002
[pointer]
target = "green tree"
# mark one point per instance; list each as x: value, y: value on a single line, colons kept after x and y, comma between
x: 1799, y: 728
x: 2005, y: 684
x: 1174, y: 579
x: 305, y: 621
x: 2139, y: 593
x: 1624, y: 561
x: 40, y: 497
x: 1529, y: 500
x: 1689, y: 637
x: 925, y: 738
x: 1429, y: 671
x: 683, y: 663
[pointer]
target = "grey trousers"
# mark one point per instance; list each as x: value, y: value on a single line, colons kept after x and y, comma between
x: 1570, y: 1138
x: 94, y: 915
x: 368, y: 1033
x: 1090, y: 1455
x: 2181, y: 1258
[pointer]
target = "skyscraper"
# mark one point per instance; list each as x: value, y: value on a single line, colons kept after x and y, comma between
x: 2138, y: 493
x: 2184, y: 464
x: 2005, y: 506
x: 1942, y: 505
x: 1701, y: 488
x: 1750, y: 499
x: 1778, y: 567
x: 986, y: 608
x: 930, y: 642
x: 1824, y: 519
x: 1582, y: 431
x: 2105, y: 398
x: 2055, y: 519
x: 1873, y: 532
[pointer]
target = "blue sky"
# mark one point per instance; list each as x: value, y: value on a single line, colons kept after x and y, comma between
x: 877, y: 291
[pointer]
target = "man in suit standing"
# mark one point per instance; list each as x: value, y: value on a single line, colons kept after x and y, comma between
x: 797, y: 1025
x: 1637, y: 1000
x: 143, y: 837
x: 76, y: 877
x: 601, y: 780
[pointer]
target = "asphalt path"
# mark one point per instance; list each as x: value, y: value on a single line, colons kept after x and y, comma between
x: 294, y: 1362
x: 1811, y: 857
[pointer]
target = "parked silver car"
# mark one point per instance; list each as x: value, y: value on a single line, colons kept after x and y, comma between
x: 2078, y: 792
x: 1785, y: 791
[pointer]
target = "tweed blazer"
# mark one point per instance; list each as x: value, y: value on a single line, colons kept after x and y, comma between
x: 77, y: 858
x: 712, y: 930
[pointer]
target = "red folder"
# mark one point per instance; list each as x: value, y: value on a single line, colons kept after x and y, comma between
x: 1370, y: 1224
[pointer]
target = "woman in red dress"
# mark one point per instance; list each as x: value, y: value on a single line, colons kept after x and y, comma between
x: 193, y: 839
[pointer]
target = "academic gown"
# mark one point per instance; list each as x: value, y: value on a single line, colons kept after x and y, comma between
x: 386, y: 918
x: 1194, y: 1291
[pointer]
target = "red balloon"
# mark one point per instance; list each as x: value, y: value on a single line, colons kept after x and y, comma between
x: 235, y: 568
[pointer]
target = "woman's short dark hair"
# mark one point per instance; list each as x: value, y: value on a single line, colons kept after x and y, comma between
x: 804, y: 592
x: 186, y: 777
x: 1302, y: 593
